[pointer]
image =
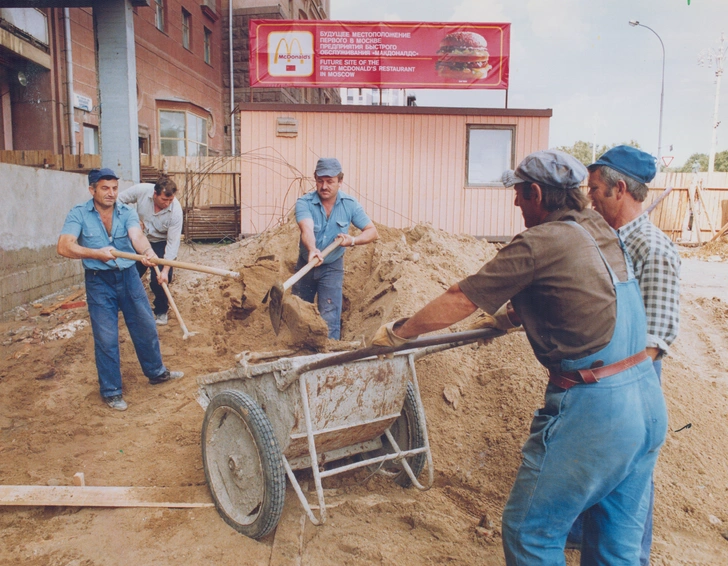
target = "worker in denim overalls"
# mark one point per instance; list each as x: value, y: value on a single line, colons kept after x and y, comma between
x: 594, y: 444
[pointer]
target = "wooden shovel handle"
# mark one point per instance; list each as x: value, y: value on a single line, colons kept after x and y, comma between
x: 172, y: 304
x: 180, y: 264
x: 311, y: 264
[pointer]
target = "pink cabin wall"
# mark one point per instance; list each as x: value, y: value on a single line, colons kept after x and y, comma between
x: 405, y: 165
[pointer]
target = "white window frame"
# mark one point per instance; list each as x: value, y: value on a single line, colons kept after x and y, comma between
x: 159, y: 14
x: 485, y: 170
x: 186, y: 30
x: 208, y: 42
x: 203, y: 148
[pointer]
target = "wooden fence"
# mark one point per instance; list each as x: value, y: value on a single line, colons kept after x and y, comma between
x: 210, y: 189
x: 49, y: 160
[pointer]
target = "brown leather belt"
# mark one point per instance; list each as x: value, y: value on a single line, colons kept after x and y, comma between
x: 567, y: 379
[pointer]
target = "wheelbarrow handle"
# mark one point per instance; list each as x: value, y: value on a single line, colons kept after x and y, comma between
x: 179, y: 264
x: 454, y: 339
x: 310, y: 265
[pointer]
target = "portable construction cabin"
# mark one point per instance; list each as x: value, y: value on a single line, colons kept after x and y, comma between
x: 404, y: 164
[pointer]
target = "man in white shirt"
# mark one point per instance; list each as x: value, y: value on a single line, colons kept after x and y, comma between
x: 161, y: 215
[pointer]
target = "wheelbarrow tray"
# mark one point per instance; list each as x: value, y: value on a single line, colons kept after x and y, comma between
x: 348, y: 404
x: 257, y: 424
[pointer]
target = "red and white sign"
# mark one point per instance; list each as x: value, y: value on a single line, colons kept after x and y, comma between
x: 305, y: 53
x: 667, y: 159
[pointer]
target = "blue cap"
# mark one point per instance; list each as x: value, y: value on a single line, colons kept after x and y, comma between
x: 629, y: 161
x: 95, y: 174
x: 549, y: 167
x: 328, y: 167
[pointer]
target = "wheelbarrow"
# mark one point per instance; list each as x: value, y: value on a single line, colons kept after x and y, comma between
x: 362, y: 407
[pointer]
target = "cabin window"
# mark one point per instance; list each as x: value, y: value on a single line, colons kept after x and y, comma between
x: 490, y: 151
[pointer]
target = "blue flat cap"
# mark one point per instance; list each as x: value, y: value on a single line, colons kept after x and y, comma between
x: 328, y: 167
x: 95, y: 174
x: 629, y: 161
x: 550, y: 167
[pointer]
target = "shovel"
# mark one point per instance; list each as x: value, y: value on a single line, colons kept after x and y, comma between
x: 275, y: 310
x: 180, y: 264
x: 186, y: 333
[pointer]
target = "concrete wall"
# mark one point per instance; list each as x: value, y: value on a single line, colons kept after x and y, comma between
x: 35, y: 205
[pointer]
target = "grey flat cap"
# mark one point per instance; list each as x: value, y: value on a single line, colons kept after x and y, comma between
x: 550, y: 167
x: 328, y: 167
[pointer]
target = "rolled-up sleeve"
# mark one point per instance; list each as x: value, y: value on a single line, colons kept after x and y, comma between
x: 174, y: 232
x: 503, y: 277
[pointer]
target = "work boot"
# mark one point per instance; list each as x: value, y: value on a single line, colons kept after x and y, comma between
x: 116, y: 402
x: 166, y: 376
x: 161, y: 319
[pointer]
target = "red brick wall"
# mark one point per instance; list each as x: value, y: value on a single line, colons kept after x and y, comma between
x: 165, y: 69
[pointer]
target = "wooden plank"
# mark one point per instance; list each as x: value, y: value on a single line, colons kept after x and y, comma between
x: 47, y: 311
x: 102, y: 496
x: 720, y: 232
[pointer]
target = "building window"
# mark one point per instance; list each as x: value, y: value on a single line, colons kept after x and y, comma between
x: 182, y: 134
x: 186, y: 25
x: 144, y: 145
x: 208, y: 41
x: 490, y: 152
x: 159, y: 14
x: 90, y: 139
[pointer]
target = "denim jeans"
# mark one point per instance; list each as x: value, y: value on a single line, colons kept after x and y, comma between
x: 107, y: 293
x: 161, y: 303
x: 325, y: 281
x: 590, y: 447
x: 576, y: 534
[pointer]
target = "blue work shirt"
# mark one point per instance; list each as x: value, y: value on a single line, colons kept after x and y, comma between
x: 346, y: 211
x: 84, y: 222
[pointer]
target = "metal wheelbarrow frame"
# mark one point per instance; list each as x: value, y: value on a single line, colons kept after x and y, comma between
x: 252, y: 429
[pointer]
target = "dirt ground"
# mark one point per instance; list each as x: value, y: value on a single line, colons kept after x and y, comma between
x: 478, y: 403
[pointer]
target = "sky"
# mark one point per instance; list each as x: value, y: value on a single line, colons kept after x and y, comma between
x: 600, y: 76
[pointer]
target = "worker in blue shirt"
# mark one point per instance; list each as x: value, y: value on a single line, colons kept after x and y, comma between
x: 324, y: 215
x: 91, y: 231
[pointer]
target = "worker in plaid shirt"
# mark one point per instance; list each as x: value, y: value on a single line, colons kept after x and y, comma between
x: 617, y: 187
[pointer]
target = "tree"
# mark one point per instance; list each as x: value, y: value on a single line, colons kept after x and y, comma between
x: 583, y: 150
x: 701, y: 159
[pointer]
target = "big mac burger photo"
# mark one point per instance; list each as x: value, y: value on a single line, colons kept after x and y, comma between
x: 463, y: 55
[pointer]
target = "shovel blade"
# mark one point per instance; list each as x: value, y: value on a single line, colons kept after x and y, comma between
x: 275, y: 308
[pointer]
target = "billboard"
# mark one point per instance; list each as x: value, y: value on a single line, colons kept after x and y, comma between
x: 306, y: 53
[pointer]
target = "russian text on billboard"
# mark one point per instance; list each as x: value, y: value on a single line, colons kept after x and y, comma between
x: 302, y: 53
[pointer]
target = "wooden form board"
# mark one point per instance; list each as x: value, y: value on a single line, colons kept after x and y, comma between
x: 100, y: 496
x: 48, y: 310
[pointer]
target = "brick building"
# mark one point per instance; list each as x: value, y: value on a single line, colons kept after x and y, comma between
x: 51, y: 97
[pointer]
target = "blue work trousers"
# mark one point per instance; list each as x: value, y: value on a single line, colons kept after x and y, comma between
x: 593, y: 447
x: 325, y: 282
x: 577, y: 530
x: 107, y: 293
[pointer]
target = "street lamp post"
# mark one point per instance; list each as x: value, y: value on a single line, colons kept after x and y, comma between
x: 635, y: 23
x: 708, y: 57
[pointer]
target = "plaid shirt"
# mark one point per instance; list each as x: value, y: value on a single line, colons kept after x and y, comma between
x: 657, y: 269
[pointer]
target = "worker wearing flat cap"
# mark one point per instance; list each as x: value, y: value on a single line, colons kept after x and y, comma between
x: 617, y: 188
x: 92, y: 231
x: 594, y: 443
x: 324, y: 216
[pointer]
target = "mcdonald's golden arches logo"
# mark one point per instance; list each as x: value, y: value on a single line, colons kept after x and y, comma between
x: 290, y: 54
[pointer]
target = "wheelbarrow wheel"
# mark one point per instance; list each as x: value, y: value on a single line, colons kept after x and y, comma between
x: 243, y: 464
x: 408, y: 433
